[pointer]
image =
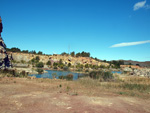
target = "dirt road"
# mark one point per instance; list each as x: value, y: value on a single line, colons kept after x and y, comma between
x: 21, y: 95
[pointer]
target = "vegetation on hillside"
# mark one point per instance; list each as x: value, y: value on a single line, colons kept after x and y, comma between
x: 113, y: 64
x: 15, y: 49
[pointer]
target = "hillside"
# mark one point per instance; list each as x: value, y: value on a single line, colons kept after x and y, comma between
x: 25, y: 57
x: 142, y: 64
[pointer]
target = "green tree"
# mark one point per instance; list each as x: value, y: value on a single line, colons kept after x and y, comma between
x: 64, y: 53
x: 48, y: 63
x: 14, y: 49
x: 86, y: 65
x: 55, y: 64
x: 72, y: 54
x: 69, y: 64
x: 40, y: 53
x: 33, y: 60
x: 83, y: 54
x: 78, y: 54
x: 37, y: 58
x: 25, y: 51
x: 33, y: 52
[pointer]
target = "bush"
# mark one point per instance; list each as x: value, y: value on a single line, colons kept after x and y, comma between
x: 48, y: 63
x: 67, y: 77
x: 106, y: 76
x: 55, y: 67
x: 13, y: 73
x: 37, y: 58
x: 61, y: 77
x: 40, y: 65
x: 69, y: 64
x: 24, y: 74
x: 55, y: 64
x: 40, y: 71
x: 61, y: 66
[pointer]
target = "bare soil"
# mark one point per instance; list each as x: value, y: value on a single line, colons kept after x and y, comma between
x: 22, y: 95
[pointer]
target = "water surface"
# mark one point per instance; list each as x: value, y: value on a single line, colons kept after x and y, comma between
x: 52, y: 73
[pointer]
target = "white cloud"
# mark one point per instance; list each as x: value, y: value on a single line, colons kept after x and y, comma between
x: 139, y: 5
x: 130, y: 43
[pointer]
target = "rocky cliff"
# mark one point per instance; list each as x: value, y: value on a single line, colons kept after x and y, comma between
x: 4, y: 57
x: 24, y: 57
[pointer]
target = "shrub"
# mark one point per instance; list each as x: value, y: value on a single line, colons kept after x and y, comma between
x: 61, y: 66
x: 61, y: 77
x: 55, y: 67
x: 67, y: 77
x: 48, y: 63
x: 69, y: 64
x: 86, y: 65
x: 106, y: 76
x: 40, y: 65
x: 40, y: 71
x: 37, y: 58
x: 96, y: 74
x: 55, y: 64
x: 23, y: 74
x: 13, y: 73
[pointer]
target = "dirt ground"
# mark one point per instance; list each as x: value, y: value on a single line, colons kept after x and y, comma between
x: 22, y: 95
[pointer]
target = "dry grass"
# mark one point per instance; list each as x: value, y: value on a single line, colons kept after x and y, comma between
x: 129, y: 86
x: 132, y: 86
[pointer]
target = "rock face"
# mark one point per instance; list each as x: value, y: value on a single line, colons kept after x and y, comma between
x: 24, y: 57
x: 137, y: 71
x: 4, y: 57
x: 142, y: 72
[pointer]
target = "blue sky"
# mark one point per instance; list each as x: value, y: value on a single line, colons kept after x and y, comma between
x: 108, y: 29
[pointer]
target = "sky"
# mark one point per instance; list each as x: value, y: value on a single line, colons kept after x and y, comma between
x: 108, y: 29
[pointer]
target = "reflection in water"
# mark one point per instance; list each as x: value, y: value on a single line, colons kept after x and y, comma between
x: 52, y: 73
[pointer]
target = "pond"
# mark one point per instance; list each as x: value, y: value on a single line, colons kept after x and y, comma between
x: 52, y: 73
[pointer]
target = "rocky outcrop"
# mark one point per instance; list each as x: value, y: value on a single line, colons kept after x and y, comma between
x: 24, y: 57
x: 4, y: 57
x: 136, y: 70
x: 142, y: 72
